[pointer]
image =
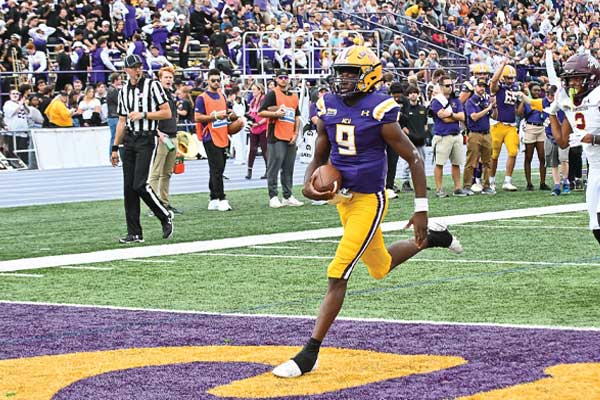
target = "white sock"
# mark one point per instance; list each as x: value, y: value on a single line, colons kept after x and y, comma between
x: 492, y: 180
x: 508, y: 179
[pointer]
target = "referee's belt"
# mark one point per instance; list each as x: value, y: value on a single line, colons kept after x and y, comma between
x: 140, y: 133
x: 534, y: 123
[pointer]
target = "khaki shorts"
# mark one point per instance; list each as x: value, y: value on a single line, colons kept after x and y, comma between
x: 554, y: 154
x: 534, y: 134
x: 448, y: 148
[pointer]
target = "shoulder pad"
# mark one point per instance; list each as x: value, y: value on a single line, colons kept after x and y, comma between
x: 383, y: 107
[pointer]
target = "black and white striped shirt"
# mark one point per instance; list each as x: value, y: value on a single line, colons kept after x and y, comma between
x: 147, y: 96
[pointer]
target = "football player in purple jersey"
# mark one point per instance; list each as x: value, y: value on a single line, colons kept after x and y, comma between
x: 355, y: 125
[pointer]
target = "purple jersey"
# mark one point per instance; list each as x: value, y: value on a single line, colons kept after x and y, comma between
x: 474, y: 105
x: 560, y: 115
x: 532, y: 116
x: 506, y: 100
x: 357, y: 147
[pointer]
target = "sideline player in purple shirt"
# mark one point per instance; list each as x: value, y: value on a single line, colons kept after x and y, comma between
x: 354, y: 126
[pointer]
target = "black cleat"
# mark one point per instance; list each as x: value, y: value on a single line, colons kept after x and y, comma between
x: 438, y: 235
x: 131, y: 239
x: 167, y: 226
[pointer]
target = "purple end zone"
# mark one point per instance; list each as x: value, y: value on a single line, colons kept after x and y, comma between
x: 497, y: 357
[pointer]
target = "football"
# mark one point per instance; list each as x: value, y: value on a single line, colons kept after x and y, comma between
x: 328, y: 178
x: 235, y: 126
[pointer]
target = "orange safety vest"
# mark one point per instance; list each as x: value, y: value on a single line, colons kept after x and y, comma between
x: 217, y: 128
x: 285, y: 126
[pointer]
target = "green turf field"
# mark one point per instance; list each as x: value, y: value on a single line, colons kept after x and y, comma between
x: 88, y: 226
x: 535, y: 270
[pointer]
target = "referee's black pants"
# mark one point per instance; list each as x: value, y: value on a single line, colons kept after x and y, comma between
x: 138, y: 153
x: 217, y: 158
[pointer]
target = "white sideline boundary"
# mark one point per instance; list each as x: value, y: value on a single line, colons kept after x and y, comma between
x: 244, y: 241
x: 310, y: 317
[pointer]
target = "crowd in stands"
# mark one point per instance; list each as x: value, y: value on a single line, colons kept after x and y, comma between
x: 91, y: 37
x: 65, y: 53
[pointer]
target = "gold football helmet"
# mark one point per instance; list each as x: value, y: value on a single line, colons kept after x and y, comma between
x: 480, y: 69
x: 509, y: 72
x: 361, y: 62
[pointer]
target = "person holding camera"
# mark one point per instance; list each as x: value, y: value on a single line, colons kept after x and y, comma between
x: 214, y: 117
x: 142, y: 103
x: 258, y: 129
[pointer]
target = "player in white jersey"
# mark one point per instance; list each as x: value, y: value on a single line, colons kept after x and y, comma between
x: 579, y: 98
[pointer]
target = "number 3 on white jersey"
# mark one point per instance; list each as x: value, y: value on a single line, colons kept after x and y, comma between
x: 580, y: 120
x: 344, y: 137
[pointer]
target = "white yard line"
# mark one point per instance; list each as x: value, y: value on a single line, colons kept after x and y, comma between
x: 444, y: 260
x: 559, y: 216
x: 23, y: 275
x: 311, y: 317
x: 552, y: 227
x: 265, y: 256
x: 230, y: 243
x: 523, y: 220
x: 515, y: 262
x: 275, y: 247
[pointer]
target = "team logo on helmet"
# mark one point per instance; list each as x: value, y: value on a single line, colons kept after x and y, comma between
x: 362, y: 62
x: 583, y: 66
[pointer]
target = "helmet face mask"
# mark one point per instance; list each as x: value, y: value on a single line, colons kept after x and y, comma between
x: 356, y: 70
x: 585, y: 67
x: 345, y: 80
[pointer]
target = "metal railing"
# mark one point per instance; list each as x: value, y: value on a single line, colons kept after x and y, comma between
x: 315, y: 48
x: 28, y: 155
x: 461, y: 58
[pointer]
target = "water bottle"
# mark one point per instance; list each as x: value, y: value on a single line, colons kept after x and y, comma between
x: 169, y: 143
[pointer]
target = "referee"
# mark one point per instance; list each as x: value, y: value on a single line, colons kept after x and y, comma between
x: 142, y: 103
